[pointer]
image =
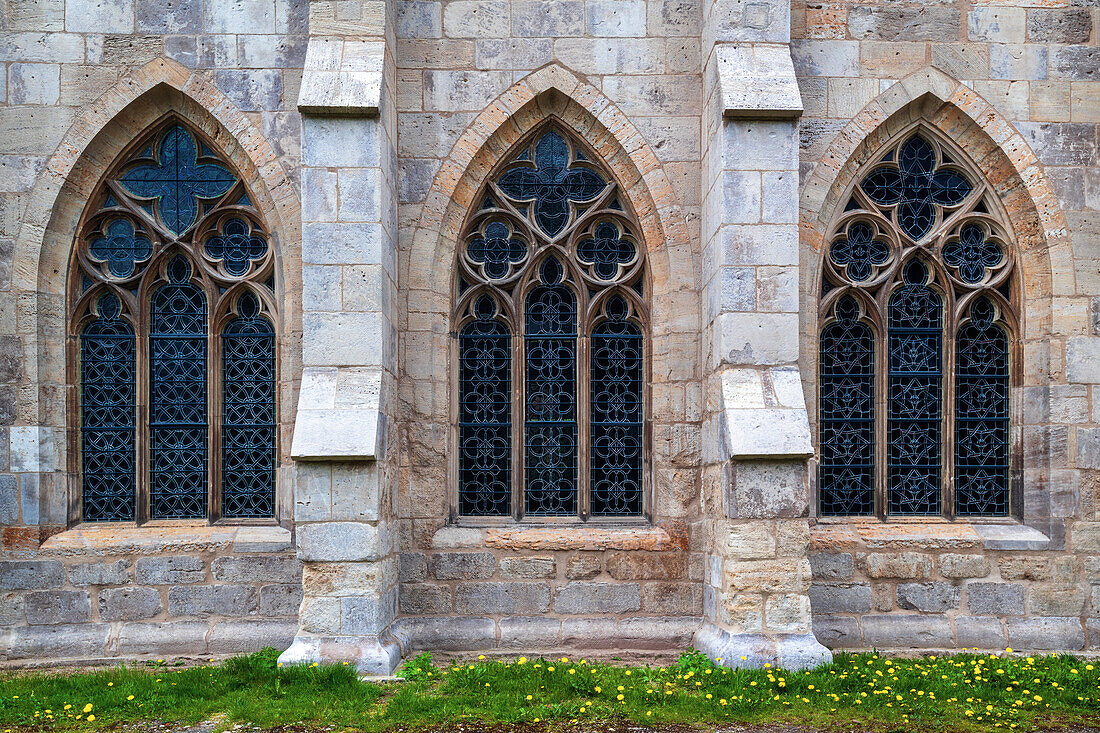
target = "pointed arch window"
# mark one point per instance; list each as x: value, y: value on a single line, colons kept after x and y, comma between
x: 172, y: 338
x: 918, y: 312
x: 551, y: 318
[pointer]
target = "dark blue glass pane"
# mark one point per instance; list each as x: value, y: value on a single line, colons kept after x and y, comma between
x: 914, y: 399
x: 237, y: 246
x: 859, y: 252
x: 616, y: 453
x: 107, y: 386
x: 972, y: 254
x: 981, y: 415
x: 497, y: 250
x: 552, y: 183
x: 120, y: 246
x: 847, y: 414
x: 606, y: 251
x: 248, y: 414
x: 550, y: 441
x: 485, y: 415
x: 177, y: 180
x: 177, y: 405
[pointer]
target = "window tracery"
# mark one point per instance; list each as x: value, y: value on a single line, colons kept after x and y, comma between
x: 173, y: 338
x: 550, y: 319
x: 917, y: 312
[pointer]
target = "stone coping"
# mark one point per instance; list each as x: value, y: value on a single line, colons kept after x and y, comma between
x: 564, y: 537
x: 873, y: 534
x: 150, y: 539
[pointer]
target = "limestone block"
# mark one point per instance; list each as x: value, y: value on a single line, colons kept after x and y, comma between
x: 956, y: 567
x: 994, y: 24
x: 252, y: 90
x: 413, y: 567
x: 476, y: 19
x: 656, y: 632
x: 166, y: 17
x: 101, y: 573
x: 445, y: 633
x: 58, y: 607
x: 905, y: 565
x: 340, y: 142
x: 1002, y: 599
x: 1016, y: 62
x: 825, y: 58
x: 279, y: 599
x: 1055, y: 601
x: 128, y: 604
x: 243, y: 637
x: 1088, y: 447
x: 767, y: 488
x: 982, y: 632
x: 1059, y: 25
x: 320, y: 615
x: 262, y: 539
x: 527, y: 567
x: 828, y: 566
x: 1068, y: 143
x: 836, y: 631
x: 508, y: 598
x: 1074, y: 62
x: 750, y: 541
x: 453, y: 91
x: 893, y: 631
x: 212, y: 600
x: 174, y: 637
x: 34, y: 83
x: 343, y: 541
x: 539, y: 19
x: 235, y: 16
x: 756, y: 338
x: 616, y: 18
x: 462, y: 565
x: 922, y: 23
x: 9, y: 499
x: 590, y: 633
x: 529, y: 632
x: 578, y: 597
x: 673, y: 598
x: 1011, y: 537
x: 31, y: 574
x: 63, y: 641
x: 930, y: 597
x: 644, y: 95
x: 1061, y: 634
x: 424, y: 599
x: 175, y: 570
x: 767, y: 21
x: 99, y: 16
x: 367, y: 615
x: 840, y: 597
x: 257, y: 568
x: 418, y: 19
x: 758, y: 81
x: 787, y: 613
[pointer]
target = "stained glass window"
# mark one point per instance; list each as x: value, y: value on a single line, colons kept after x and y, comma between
x: 173, y: 221
x: 920, y: 232
x: 523, y: 319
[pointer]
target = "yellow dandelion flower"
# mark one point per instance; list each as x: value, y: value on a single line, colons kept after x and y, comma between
x: 88, y: 708
x: 91, y: 718
x: 549, y: 669
x: 619, y: 696
x: 129, y: 697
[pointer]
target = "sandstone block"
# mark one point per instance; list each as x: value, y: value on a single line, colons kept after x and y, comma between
x: 776, y: 576
x: 527, y: 567
x: 905, y: 565
x: 840, y: 597
x: 175, y: 570
x: 257, y: 568
x: 787, y: 613
x: 589, y: 597
x: 935, y: 597
x: 1059, y: 25
x: 462, y: 565
x: 894, y: 630
x: 347, y: 541
x: 829, y: 566
x: 1055, y: 601
x: 58, y: 607
x: 1061, y: 634
x: 1002, y: 599
x: 424, y: 599
x: 129, y: 604
x: 101, y: 573
x: 1025, y: 568
x: 646, y: 566
x: 211, y: 600
x: 507, y: 598
x: 583, y: 566
x: 750, y: 541
x: 12, y: 610
x: 1085, y: 538
x: 921, y: 23
x: 673, y: 599
x: 31, y: 574
x: 348, y: 578
x: 956, y: 567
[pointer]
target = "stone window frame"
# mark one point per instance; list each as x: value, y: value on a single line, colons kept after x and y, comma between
x: 589, y: 313
x: 222, y: 291
x: 1007, y: 296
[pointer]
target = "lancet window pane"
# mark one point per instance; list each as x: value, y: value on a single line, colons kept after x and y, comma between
x: 847, y: 414
x: 485, y: 414
x: 616, y: 432
x: 248, y: 414
x: 981, y: 415
x: 177, y: 406
x: 550, y: 457
x: 914, y: 411
x: 107, y: 384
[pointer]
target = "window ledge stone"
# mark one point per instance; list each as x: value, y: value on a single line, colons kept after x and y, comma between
x: 104, y: 540
x: 872, y: 534
x: 567, y: 537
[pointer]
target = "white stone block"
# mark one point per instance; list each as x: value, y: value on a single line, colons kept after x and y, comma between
x: 624, y: 18
x: 757, y: 81
x: 756, y: 338
x: 741, y: 197
x: 325, y: 243
x: 99, y: 16
x: 787, y: 382
x: 239, y: 16
x: 34, y: 83
x: 477, y: 19
x: 1083, y: 360
x: 351, y: 142
x: 760, y: 145
x: 742, y: 388
x: 766, y: 432
x: 344, y: 339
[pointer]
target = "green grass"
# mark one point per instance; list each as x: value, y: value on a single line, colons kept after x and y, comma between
x: 956, y: 693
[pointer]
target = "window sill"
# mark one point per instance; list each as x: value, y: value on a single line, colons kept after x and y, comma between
x: 930, y: 534
x: 129, y: 539
x: 559, y: 537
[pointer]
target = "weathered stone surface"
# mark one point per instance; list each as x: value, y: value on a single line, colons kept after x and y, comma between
x: 424, y: 599
x: 983, y: 632
x: 530, y: 632
x: 1085, y: 538
x: 1055, y: 601
x: 906, y: 631
x: 837, y: 631
x: 646, y: 566
x: 179, y: 569
x: 672, y: 599
x: 62, y: 641
x: 368, y: 614
x: 779, y: 576
x: 527, y: 567
x: 212, y: 600
x: 173, y: 637
x: 829, y: 566
x: 1002, y: 599
x: 257, y: 568
x: 925, y: 23
x: 1025, y: 568
x: 446, y: 633
x: 31, y: 574
x: 101, y: 573
x: 583, y: 566
x: 129, y: 604
x: 1066, y: 634
x: 905, y: 565
x: 589, y: 597
x: 238, y: 637
x: 590, y: 633
x: 927, y: 596
x: 462, y: 565
x: 747, y: 541
x: 413, y: 567
x: 958, y: 567
x: 58, y: 607
x: 840, y: 597
x: 1059, y: 25
x: 281, y: 599
x: 502, y: 598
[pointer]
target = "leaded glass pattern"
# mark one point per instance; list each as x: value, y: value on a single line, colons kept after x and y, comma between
x: 248, y: 413
x: 173, y: 223
x: 920, y: 233
x: 847, y: 413
x: 107, y: 382
x: 551, y: 261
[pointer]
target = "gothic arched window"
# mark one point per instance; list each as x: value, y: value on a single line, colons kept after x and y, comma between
x: 915, y: 358
x: 550, y: 322
x: 173, y: 336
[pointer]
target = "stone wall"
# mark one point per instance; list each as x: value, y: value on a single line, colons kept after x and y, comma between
x: 104, y: 592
